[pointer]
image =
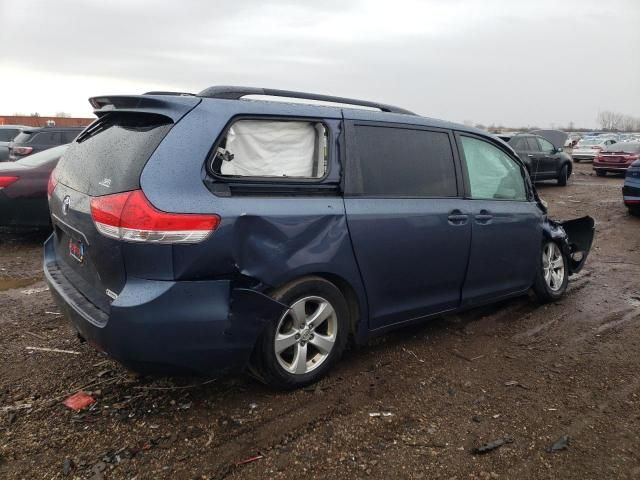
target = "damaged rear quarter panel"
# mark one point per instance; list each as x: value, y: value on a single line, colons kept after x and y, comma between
x: 262, y: 241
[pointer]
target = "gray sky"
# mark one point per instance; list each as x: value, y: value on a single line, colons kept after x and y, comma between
x: 518, y: 63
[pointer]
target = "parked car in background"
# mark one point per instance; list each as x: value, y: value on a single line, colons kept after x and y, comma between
x: 210, y: 233
x: 631, y: 188
x: 616, y: 158
x: 34, y: 140
x: 23, y: 189
x: 543, y: 160
x: 7, y: 134
x: 588, y: 148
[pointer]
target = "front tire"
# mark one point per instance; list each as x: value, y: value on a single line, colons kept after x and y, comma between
x: 563, y: 177
x: 635, y: 211
x: 601, y: 173
x: 302, y: 345
x: 552, y: 276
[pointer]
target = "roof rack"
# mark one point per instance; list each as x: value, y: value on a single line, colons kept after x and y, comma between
x: 236, y: 93
x: 182, y: 94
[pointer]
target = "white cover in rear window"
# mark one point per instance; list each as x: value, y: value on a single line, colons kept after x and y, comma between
x: 270, y: 149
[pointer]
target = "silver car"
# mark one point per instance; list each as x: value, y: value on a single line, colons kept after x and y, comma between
x: 7, y: 134
x: 589, y: 148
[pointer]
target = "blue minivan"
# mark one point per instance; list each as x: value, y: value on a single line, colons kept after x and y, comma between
x: 265, y: 229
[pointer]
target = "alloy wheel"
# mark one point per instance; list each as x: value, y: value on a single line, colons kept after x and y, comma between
x: 306, y: 335
x: 553, y: 266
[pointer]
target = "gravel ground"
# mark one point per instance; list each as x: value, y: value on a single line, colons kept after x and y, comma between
x: 528, y: 375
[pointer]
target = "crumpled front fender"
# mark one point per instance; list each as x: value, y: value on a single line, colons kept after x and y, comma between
x: 575, y: 238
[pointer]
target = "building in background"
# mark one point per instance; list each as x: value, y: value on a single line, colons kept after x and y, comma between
x: 30, y: 121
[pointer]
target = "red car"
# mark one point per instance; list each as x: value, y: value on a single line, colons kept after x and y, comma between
x: 23, y: 189
x: 616, y: 158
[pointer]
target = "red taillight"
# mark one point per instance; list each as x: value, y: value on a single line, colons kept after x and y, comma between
x: 598, y: 158
x: 6, y: 181
x: 632, y: 158
x: 129, y: 216
x: 51, y: 184
x: 22, y: 151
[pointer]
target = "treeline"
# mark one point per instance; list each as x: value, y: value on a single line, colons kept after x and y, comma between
x: 618, y: 122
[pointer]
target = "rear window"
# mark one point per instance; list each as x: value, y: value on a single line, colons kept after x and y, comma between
x: 402, y: 162
x: 623, y: 147
x: 23, y: 137
x: 8, y: 134
x: 589, y: 141
x: 110, y: 154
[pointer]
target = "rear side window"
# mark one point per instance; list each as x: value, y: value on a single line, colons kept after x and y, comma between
x: 47, y: 138
x: 109, y: 156
x: 493, y: 175
x: 519, y: 143
x: 8, y: 134
x: 69, y: 135
x: 401, y: 162
x: 533, y: 145
x: 272, y: 148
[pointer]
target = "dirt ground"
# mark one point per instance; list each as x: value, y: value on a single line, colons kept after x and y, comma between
x: 519, y: 372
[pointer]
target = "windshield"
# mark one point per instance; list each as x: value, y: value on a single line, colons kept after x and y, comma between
x: 624, y: 147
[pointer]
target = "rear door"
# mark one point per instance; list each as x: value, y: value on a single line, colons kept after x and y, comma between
x: 506, y: 223
x: 548, y: 159
x: 107, y: 159
x: 536, y: 158
x: 409, y: 229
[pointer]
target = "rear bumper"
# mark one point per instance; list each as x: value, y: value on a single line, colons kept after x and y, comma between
x: 631, y: 194
x: 202, y: 327
x: 610, y: 167
x: 583, y: 156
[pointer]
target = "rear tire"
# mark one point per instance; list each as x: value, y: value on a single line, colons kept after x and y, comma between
x: 601, y: 173
x: 564, y: 175
x: 635, y: 211
x: 300, y: 347
x: 552, y: 276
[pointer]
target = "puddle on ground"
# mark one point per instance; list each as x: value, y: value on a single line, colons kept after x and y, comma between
x: 11, y: 283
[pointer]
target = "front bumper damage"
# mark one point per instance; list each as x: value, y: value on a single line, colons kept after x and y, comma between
x: 575, y: 238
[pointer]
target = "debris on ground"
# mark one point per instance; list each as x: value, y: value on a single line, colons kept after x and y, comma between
x: 560, y: 444
x: 21, y: 406
x: 67, y: 466
x: 514, y: 383
x: 380, y: 414
x: 488, y: 447
x: 79, y: 401
x: 54, y: 350
x: 249, y: 460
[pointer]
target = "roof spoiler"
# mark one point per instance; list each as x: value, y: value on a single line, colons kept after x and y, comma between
x: 174, y: 106
x: 236, y: 93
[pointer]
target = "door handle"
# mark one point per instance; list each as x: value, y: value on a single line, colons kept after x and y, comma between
x: 456, y: 217
x: 483, y: 217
